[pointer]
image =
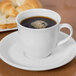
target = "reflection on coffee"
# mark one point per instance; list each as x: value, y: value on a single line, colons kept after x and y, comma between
x: 38, y: 22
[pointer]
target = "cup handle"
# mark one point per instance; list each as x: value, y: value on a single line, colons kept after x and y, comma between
x: 65, y: 25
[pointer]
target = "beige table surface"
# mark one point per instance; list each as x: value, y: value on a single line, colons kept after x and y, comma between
x: 67, y: 10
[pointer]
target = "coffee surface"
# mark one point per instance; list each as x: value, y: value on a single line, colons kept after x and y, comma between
x: 38, y: 22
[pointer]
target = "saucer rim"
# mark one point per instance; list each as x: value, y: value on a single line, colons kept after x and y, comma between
x: 32, y: 68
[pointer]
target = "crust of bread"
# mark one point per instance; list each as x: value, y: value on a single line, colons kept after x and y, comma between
x: 5, y: 26
x: 7, y: 8
x: 29, y: 5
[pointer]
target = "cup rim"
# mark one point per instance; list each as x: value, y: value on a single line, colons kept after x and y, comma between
x: 37, y: 9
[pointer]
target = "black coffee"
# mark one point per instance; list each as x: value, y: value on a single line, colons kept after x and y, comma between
x: 38, y: 22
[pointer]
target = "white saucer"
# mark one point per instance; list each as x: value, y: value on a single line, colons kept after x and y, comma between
x: 12, y: 53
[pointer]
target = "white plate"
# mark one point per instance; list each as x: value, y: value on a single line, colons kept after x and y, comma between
x: 3, y: 30
x: 11, y: 52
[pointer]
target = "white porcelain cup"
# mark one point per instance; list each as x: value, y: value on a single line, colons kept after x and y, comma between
x: 39, y: 43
